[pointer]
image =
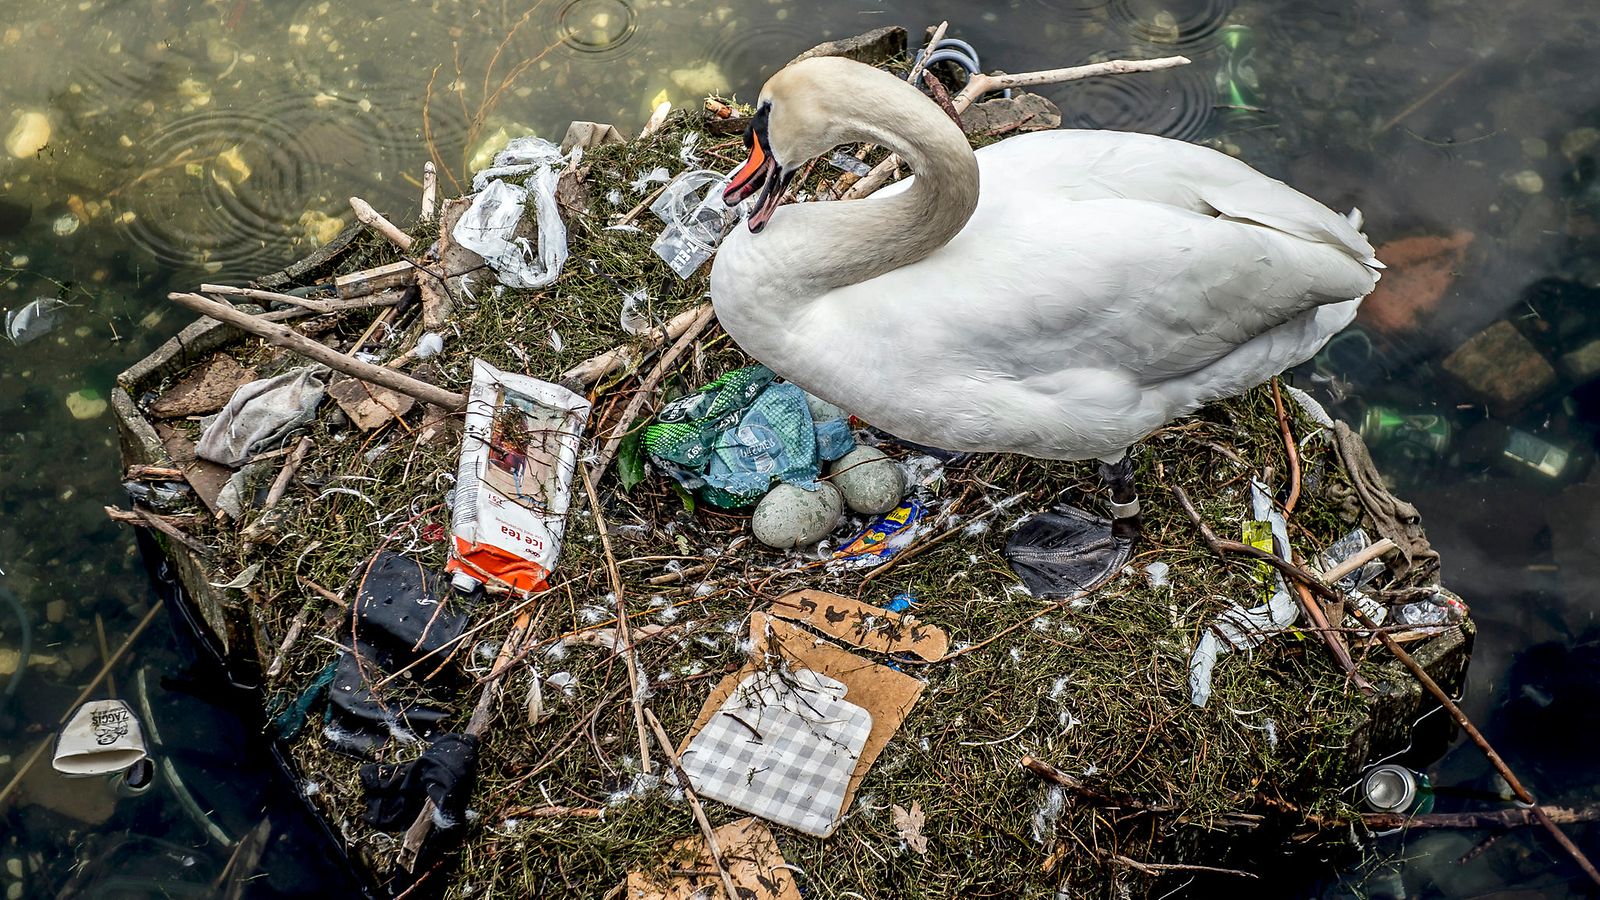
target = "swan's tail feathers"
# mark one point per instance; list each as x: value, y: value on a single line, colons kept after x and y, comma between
x: 1356, y: 220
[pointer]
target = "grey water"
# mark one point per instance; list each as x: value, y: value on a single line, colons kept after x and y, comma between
x: 153, y: 144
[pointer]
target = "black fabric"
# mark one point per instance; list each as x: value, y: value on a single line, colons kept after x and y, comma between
x: 444, y: 773
x: 363, y: 723
x: 1066, y: 551
x: 398, y: 610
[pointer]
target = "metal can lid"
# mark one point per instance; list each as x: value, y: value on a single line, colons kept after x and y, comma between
x: 1389, y: 788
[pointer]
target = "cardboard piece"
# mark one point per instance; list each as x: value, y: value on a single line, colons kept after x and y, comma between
x: 884, y: 693
x: 749, y: 851
x: 862, y: 624
x: 368, y: 405
x: 206, y: 477
x: 205, y: 389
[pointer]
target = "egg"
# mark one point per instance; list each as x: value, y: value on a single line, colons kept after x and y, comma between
x: 870, y: 481
x: 822, y: 410
x: 790, y: 516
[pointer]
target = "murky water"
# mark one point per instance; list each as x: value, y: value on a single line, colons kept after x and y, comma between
x: 155, y: 143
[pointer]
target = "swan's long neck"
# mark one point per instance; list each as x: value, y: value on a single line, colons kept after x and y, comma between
x: 816, y: 247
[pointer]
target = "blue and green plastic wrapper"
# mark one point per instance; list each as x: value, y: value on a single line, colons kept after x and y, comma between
x: 731, y: 441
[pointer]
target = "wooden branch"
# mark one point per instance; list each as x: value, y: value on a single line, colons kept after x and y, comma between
x: 430, y: 191
x: 694, y: 805
x: 1290, y: 570
x: 1356, y: 560
x: 378, y: 278
x: 285, y: 337
x: 1516, y: 817
x: 981, y: 84
x: 1157, y: 869
x: 1290, y: 447
x: 321, y: 306
x: 411, y: 845
x: 624, y: 632
x: 647, y: 387
x: 597, y: 367
x: 1098, y: 797
x: 293, y: 634
x: 375, y: 220
x: 150, y: 520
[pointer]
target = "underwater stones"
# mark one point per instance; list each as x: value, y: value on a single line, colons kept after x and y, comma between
x: 1502, y: 366
x: 1527, y: 181
x: 790, y: 516
x: 86, y: 404
x: 30, y: 135
x: 701, y: 80
x: 870, y: 481
x: 1579, y: 141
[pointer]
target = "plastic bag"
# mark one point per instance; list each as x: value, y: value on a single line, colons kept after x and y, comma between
x: 35, y: 320
x: 696, y: 219
x: 489, y: 229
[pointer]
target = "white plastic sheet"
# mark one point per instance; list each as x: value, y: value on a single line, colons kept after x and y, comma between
x: 1237, y: 628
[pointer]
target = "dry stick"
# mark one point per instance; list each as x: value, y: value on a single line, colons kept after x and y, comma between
x: 430, y: 191
x: 457, y: 640
x: 1156, y: 869
x: 1055, y: 776
x: 1310, y: 605
x: 321, y: 306
x: 1424, y: 100
x: 982, y: 84
x: 597, y: 367
x: 151, y: 520
x: 295, y: 627
x: 694, y: 805
x: 1500, y: 818
x: 1220, y: 546
x: 375, y: 220
x: 105, y: 670
x: 623, y: 630
x: 476, y: 726
x: 1289, y: 447
x: 105, y: 654
x: 647, y: 388
x: 284, y: 337
x: 1358, y: 559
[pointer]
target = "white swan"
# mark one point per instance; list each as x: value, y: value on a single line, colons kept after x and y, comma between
x: 1058, y: 294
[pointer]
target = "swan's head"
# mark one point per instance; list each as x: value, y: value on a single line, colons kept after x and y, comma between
x: 803, y: 112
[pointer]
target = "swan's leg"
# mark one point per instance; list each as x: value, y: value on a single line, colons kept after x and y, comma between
x: 1117, y: 472
x: 1066, y: 551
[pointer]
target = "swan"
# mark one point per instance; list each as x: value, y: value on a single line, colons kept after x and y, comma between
x: 1058, y: 294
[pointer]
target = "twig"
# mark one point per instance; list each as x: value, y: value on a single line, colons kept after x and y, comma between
x: 284, y: 337
x: 375, y: 220
x: 1160, y: 868
x: 476, y: 726
x: 1289, y: 447
x: 624, y: 633
x: 595, y: 368
x: 694, y: 805
x: 105, y: 654
x: 1500, y: 818
x: 430, y: 191
x: 1358, y: 559
x: 981, y: 84
x: 1220, y: 547
x: 105, y: 670
x: 647, y: 388
x: 144, y: 517
x: 1425, y: 99
x: 1055, y: 776
x: 321, y: 306
x: 293, y: 634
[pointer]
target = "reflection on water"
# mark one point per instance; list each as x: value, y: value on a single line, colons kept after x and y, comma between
x: 152, y: 143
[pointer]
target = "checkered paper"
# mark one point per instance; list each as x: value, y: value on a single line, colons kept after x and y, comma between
x: 783, y: 747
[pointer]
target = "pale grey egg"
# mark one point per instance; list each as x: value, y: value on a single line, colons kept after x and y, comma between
x: 790, y: 516
x: 871, y: 482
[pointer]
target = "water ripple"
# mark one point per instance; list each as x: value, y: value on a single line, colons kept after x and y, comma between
x: 1176, y: 26
x: 1176, y: 103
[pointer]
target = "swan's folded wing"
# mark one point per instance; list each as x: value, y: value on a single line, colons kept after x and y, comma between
x: 1099, y: 165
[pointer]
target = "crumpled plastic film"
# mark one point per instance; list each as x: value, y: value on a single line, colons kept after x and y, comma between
x: 1237, y: 628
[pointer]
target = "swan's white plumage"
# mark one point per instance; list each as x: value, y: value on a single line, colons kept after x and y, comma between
x: 1105, y: 283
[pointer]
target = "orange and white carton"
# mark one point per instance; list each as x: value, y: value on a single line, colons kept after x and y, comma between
x: 518, y: 457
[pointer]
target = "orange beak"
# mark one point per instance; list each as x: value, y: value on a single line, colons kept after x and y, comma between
x: 751, y: 176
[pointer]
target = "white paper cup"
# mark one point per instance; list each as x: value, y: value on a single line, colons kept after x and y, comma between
x: 103, y: 736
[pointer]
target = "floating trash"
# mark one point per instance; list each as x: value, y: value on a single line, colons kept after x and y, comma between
x: 35, y: 320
